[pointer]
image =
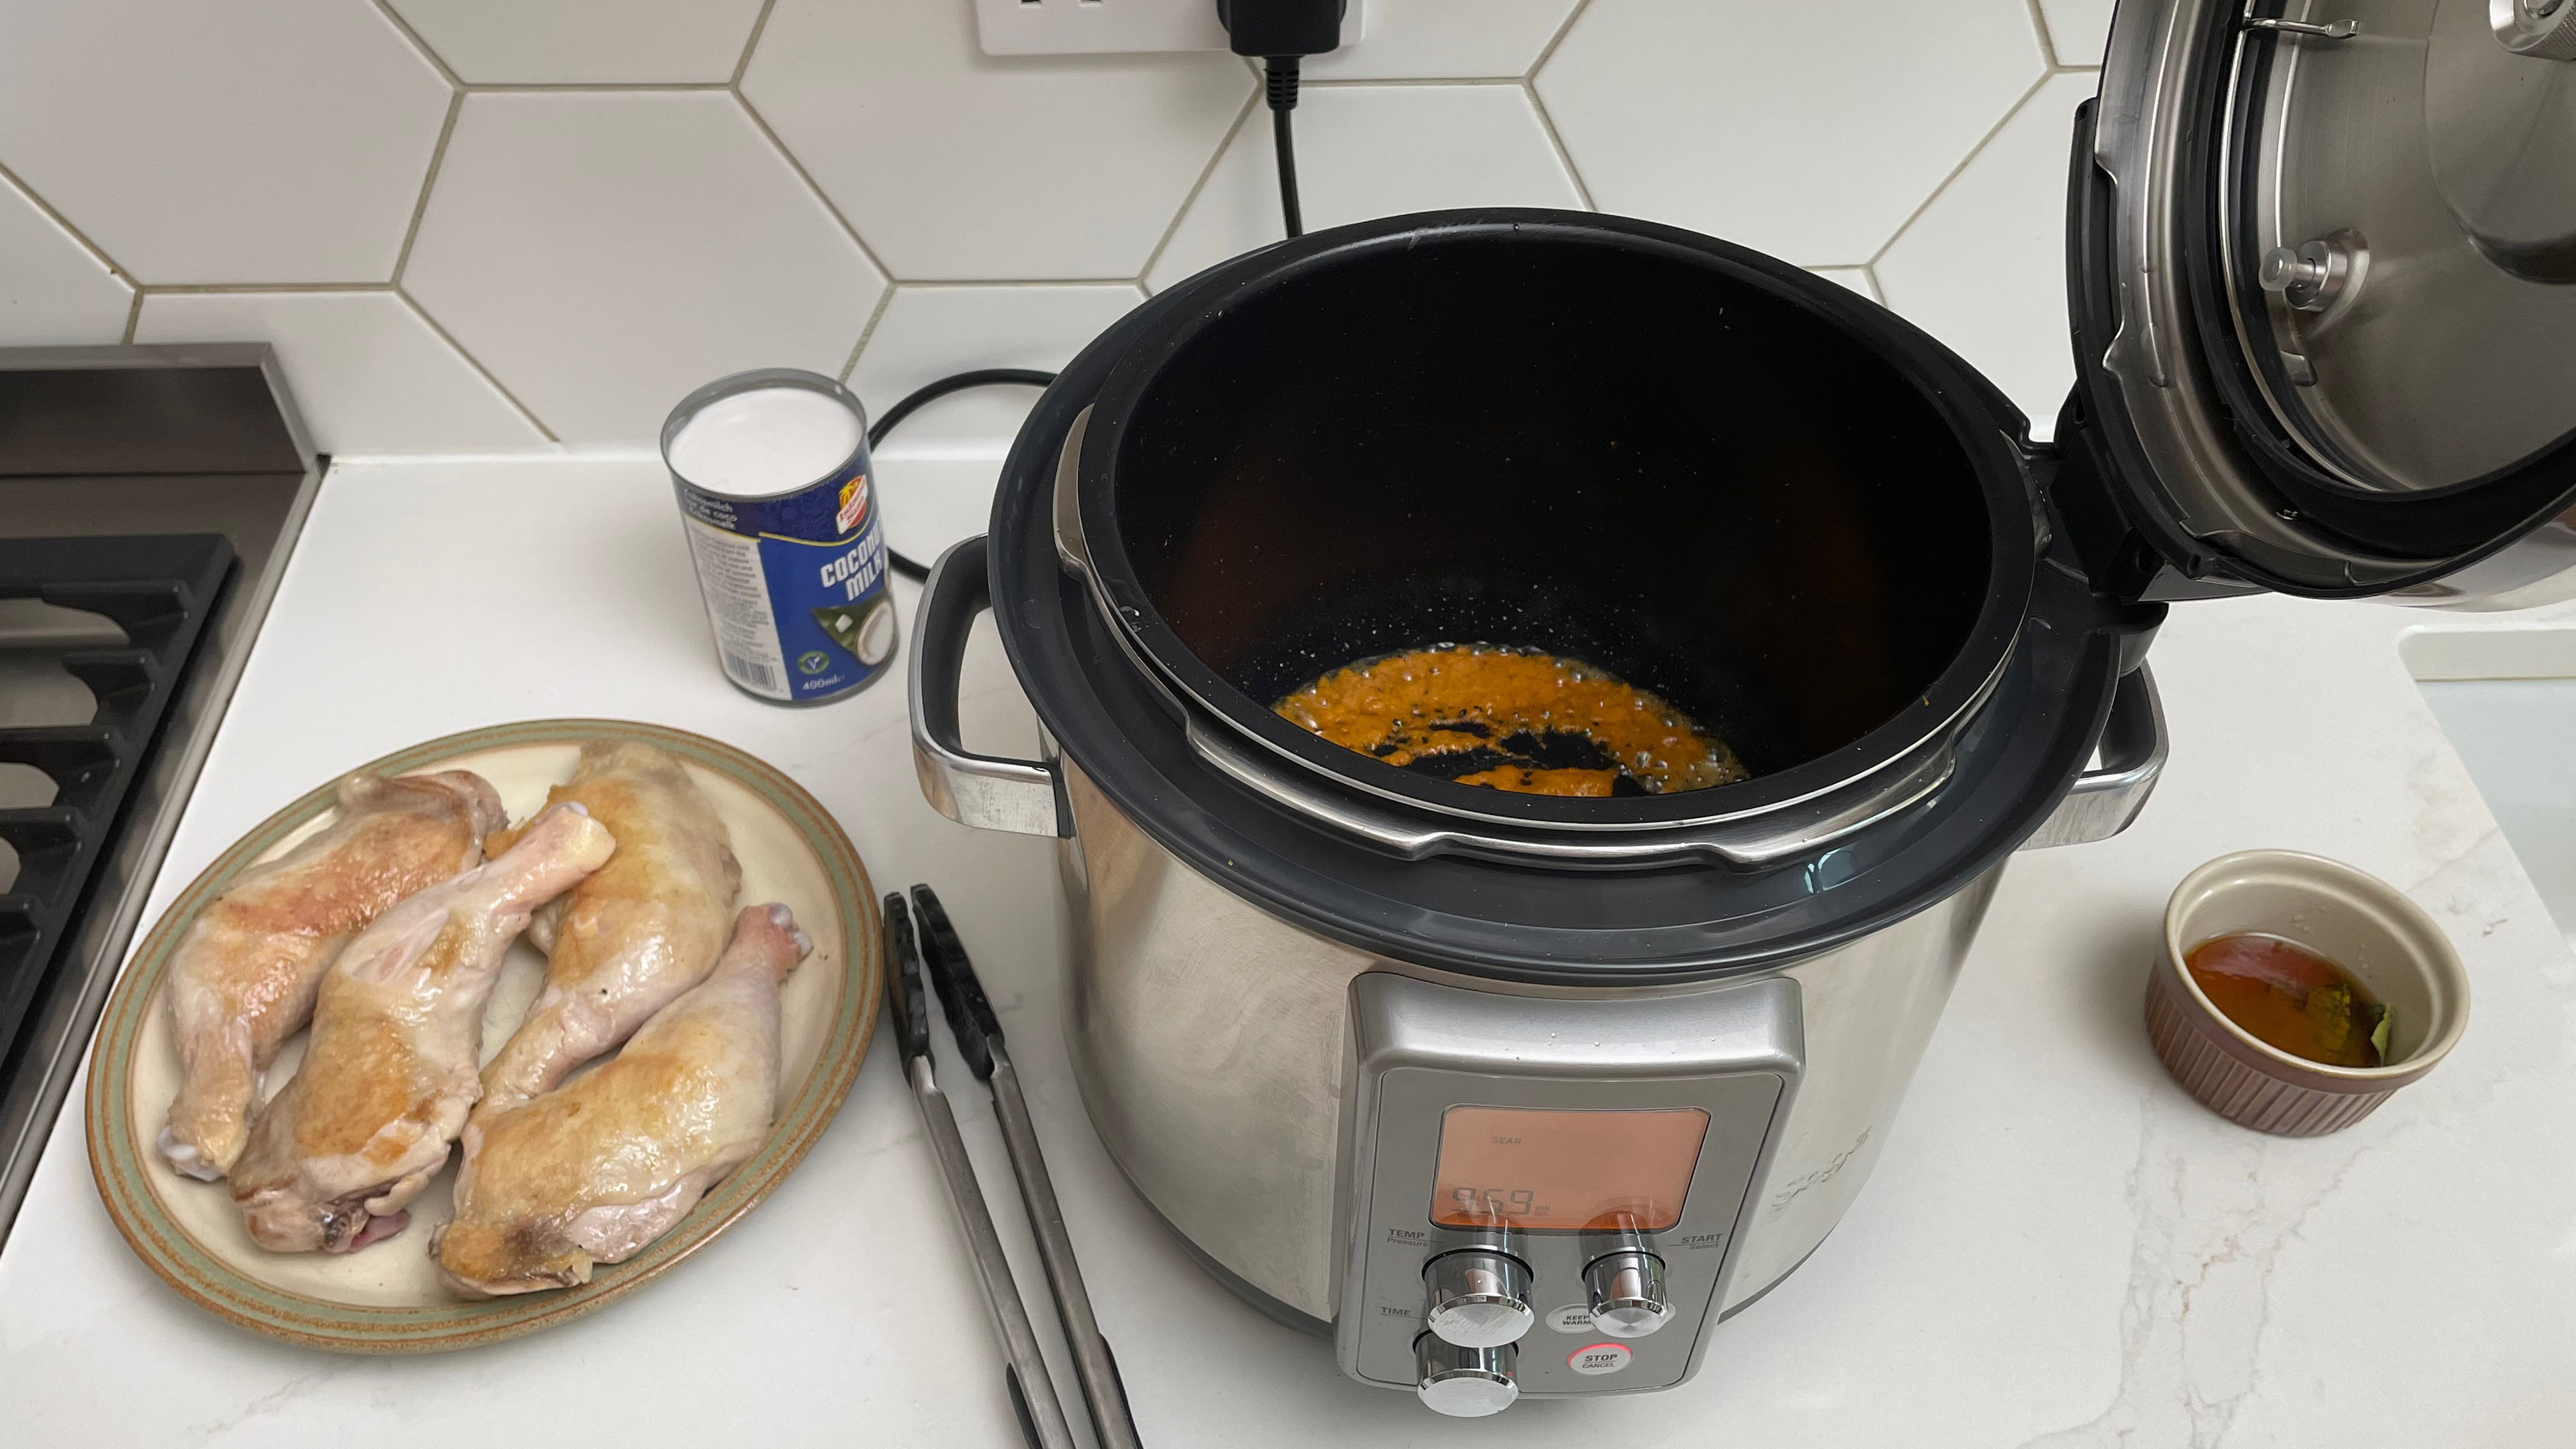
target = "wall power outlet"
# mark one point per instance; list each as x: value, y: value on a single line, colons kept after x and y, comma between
x: 1092, y: 27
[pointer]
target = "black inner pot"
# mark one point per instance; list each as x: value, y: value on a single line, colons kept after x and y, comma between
x: 1656, y: 459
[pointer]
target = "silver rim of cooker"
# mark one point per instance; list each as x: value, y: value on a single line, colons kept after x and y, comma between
x: 1775, y: 832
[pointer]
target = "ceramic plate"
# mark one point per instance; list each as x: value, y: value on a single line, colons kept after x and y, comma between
x: 386, y: 1298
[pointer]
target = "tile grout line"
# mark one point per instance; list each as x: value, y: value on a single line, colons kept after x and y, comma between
x: 1173, y: 228
x: 97, y: 253
x: 512, y: 398
x: 1547, y: 52
x: 830, y: 207
x: 750, y: 43
x: 576, y: 87
x: 1339, y: 83
x: 867, y: 330
x: 2047, y: 41
x: 1007, y: 283
x: 1973, y: 153
x: 402, y: 27
x: 1564, y: 158
x: 226, y: 289
x: 428, y: 181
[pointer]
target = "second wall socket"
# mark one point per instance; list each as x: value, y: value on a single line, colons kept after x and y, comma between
x: 1095, y: 27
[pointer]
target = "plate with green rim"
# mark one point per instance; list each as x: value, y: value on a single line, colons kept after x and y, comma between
x: 385, y: 1298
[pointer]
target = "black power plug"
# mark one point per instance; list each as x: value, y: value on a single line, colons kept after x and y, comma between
x: 1280, y: 32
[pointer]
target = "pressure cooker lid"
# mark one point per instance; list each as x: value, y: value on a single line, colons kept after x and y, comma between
x: 2336, y: 262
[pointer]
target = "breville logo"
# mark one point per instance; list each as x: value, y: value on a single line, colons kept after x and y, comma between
x: 1789, y: 1191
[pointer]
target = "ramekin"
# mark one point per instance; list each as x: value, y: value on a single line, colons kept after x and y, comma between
x: 2357, y: 921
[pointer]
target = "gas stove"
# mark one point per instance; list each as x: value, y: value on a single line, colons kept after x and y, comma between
x: 148, y: 497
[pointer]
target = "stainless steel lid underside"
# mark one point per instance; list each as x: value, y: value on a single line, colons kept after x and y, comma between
x: 2341, y: 250
x: 2434, y: 169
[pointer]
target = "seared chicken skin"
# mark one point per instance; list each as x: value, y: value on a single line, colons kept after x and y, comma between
x: 388, y: 1073
x: 594, y: 1172
x: 242, y: 981
x: 626, y: 941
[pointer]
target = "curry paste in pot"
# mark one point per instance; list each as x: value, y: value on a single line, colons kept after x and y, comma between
x: 1512, y: 719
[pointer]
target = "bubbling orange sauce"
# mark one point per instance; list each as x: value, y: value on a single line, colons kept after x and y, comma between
x: 1512, y: 719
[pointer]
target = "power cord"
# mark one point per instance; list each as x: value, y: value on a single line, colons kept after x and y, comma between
x: 1279, y: 33
x: 912, y: 401
x: 1281, y: 71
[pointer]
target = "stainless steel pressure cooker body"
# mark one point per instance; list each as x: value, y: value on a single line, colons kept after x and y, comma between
x: 1515, y: 1094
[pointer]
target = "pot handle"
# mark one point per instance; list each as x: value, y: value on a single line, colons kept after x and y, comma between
x: 984, y: 791
x: 2133, y: 750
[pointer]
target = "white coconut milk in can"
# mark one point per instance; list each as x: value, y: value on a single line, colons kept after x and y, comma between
x: 772, y: 471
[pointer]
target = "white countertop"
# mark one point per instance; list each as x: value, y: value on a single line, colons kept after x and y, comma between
x: 2057, y: 1248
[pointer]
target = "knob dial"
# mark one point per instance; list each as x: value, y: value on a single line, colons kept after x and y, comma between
x: 1627, y: 1293
x: 1477, y: 1299
x: 1464, y: 1383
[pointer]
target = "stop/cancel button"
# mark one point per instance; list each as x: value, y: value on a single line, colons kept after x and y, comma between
x: 1600, y: 1358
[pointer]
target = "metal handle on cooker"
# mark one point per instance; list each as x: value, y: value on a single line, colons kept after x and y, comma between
x: 2133, y: 750
x: 988, y: 792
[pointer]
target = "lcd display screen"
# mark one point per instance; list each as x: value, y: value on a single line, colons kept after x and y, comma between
x: 1544, y: 1169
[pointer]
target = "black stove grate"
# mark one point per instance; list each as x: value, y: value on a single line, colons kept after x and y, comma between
x: 160, y: 590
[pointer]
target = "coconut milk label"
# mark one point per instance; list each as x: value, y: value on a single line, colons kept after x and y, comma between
x: 795, y: 585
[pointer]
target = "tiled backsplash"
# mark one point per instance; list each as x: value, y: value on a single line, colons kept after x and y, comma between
x: 486, y: 225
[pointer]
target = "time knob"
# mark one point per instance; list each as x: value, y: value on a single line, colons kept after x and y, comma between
x: 1464, y: 1383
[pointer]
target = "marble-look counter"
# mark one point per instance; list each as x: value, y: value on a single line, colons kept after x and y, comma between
x: 2058, y: 1247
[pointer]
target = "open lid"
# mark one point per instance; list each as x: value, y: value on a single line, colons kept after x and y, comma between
x: 2323, y: 274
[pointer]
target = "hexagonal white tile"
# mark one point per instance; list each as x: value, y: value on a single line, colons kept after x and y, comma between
x: 928, y: 332
x: 368, y: 374
x: 1365, y: 151
x: 1984, y: 267
x: 1444, y: 39
x: 53, y: 290
x: 605, y: 252
x: 2076, y: 29
x: 488, y: 42
x: 1761, y: 122
x: 956, y: 165
x: 281, y: 141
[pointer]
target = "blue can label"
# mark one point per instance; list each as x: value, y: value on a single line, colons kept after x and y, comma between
x: 795, y: 585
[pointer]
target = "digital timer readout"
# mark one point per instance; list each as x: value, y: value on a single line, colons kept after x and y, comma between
x: 1548, y: 1169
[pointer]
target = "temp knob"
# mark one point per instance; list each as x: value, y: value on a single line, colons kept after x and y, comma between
x: 1464, y: 1383
x: 1627, y: 1293
x: 1477, y: 1299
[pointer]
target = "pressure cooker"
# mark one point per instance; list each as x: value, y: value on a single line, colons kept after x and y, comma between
x: 1515, y: 1094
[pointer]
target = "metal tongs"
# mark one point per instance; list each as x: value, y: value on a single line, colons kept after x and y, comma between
x: 979, y: 1040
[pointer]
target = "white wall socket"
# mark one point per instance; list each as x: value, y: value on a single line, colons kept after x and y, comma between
x: 1093, y: 27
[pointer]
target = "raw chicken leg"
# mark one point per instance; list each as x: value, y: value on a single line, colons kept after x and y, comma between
x: 389, y: 1071
x: 592, y: 1173
x: 629, y: 939
x: 243, y: 980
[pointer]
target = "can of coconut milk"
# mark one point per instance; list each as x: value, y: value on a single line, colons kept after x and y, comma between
x: 771, y: 467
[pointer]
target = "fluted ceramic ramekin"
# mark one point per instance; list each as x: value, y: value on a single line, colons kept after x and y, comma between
x: 2355, y: 920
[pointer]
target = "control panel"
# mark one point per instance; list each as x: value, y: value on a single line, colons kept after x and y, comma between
x: 1543, y: 1194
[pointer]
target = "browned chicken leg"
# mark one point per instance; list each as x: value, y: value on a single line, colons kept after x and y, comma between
x: 592, y: 1173
x: 243, y: 979
x: 388, y: 1073
x: 629, y: 939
